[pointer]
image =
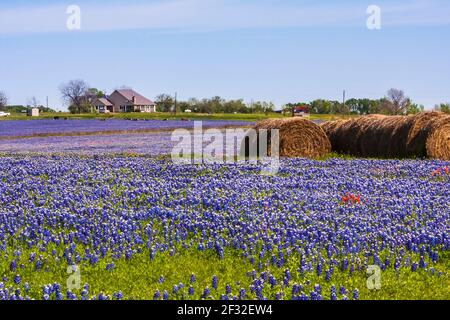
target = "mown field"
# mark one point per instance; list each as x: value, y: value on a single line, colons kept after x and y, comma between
x: 144, y: 228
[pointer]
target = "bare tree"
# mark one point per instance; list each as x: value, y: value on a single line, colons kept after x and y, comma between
x: 3, y: 100
x: 74, y: 93
x: 396, y: 102
x: 33, y: 102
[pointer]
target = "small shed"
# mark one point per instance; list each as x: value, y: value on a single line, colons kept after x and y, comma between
x: 33, y: 112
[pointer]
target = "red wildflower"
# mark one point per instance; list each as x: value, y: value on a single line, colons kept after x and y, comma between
x: 351, y: 198
x: 436, y: 172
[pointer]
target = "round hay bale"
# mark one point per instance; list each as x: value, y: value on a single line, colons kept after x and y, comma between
x: 299, y: 138
x: 384, y: 131
x: 438, y: 142
x: 399, y: 138
x: 251, y: 138
x: 345, y: 135
x: 393, y: 136
x: 366, y: 140
x: 331, y: 128
x: 423, y: 135
x: 420, y: 131
x: 372, y: 136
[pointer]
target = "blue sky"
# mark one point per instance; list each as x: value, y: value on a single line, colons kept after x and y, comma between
x: 280, y: 51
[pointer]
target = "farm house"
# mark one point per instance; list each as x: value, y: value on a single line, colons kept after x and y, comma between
x: 125, y: 100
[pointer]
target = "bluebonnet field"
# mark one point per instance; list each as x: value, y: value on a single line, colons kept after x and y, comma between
x: 151, y: 144
x: 96, y: 137
x: 144, y: 228
x: 46, y: 126
x: 103, y: 144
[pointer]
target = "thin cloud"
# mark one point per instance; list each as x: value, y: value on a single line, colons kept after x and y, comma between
x: 210, y: 15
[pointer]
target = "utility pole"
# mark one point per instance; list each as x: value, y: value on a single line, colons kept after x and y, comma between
x: 175, y: 106
x: 343, y: 100
x: 47, y: 102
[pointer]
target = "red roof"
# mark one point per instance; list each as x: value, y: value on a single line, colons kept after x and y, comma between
x: 302, y: 109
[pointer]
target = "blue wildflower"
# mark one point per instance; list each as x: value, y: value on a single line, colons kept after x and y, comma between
x: 215, y: 282
x: 356, y: 294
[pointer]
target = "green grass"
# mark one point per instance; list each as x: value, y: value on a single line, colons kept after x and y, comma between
x: 170, y: 116
x: 138, y: 278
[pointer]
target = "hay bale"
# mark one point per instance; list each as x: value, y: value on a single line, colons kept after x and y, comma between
x: 391, y: 136
x: 351, y: 136
x: 365, y: 139
x: 331, y: 128
x: 420, y: 131
x: 399, y: 138
x: 299, y: 138
x: 423, y: 135
x: 345, y: 135
x: 438, y: 142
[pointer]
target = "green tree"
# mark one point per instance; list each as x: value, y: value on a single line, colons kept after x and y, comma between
x: 257, y: 107
x: 84, y: 107
x: 360, y: 106
x: 216, y: 104
x: 268, y: 107
x: 182, y: 106
x: 414, y: 108
x: 164, y: 103
x: 96, y: 93
x: 321, y: 106
x: 288, y: 109
x: 232, y: 106
x: 194, y: 104
x: 375, y: 106
x: 339, y: 108
x: 205, y: 106
x: 444, y: 107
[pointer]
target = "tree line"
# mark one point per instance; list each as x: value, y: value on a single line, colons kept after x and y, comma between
x: 79, y: 96
x: 167, y: 103
x: 394, y: 103
x: 33, y: 102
